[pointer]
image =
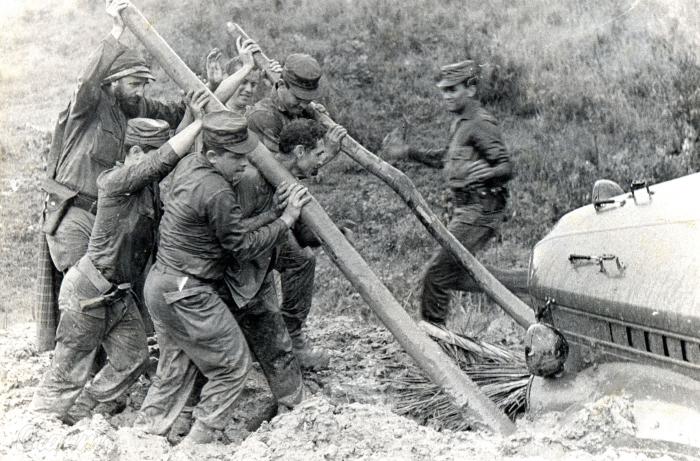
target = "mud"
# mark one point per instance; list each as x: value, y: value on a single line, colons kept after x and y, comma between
x: 348, y: 416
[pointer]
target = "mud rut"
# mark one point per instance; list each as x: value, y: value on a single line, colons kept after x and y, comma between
x: 348, y: 416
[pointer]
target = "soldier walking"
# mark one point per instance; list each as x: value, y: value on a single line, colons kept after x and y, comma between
x: 477, y: 168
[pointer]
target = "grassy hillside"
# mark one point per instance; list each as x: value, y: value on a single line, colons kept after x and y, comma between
x: 584, y: 89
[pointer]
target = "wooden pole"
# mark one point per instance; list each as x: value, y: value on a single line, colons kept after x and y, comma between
x: 405, y: 188
x: 427, y: 354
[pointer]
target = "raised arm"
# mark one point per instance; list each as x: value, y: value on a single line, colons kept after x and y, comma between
x: 88, y: 93
x: 229, y: 85
x: 155, y: 166
x: 215, y: 72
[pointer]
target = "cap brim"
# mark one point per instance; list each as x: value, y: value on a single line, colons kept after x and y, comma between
x: 143, y: 75
x: 302, y: 93
x: 138, y: 72
x: 446, y: 83
x: 244, y: 147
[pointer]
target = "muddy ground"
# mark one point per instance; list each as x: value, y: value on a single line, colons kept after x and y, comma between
x: 348, y: 416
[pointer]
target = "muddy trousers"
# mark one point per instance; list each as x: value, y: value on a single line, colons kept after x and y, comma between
x: 270, y: 342
x: 473, y: 227
x: 196, y: 331
x: 297, y: 267
x: 112, y: 322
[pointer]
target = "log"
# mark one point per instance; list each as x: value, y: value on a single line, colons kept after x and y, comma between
x: 427, y: 354
x: 404, y: 187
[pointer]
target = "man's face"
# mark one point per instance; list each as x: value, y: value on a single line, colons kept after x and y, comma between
x: 231, y: 166
x: 308, y: 161
x: 244, y: 94
x: 457, y: 97
x: 291, y: 103
x: 129, y: 91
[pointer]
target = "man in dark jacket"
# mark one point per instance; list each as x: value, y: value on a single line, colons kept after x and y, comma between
x: 90, y: 138
x: 477, y: 168
x: 203, y: 231
x: 290, y: 100
x: 96, y: 298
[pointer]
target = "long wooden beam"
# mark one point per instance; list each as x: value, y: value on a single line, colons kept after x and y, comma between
x: 427, y: 354
x: 404, y: 187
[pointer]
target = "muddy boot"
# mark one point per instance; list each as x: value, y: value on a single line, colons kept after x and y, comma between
x: 200, y: 433
x: 82, y: 408
x: 309, y: 358
x: 181, y: 427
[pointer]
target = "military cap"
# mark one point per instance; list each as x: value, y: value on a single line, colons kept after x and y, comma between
x: 453, y: 74
x: 146, y: 132
x: 224, y: 130
x: 302, y: 73
x: 129, y: 63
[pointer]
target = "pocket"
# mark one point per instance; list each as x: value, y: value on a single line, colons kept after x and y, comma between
x: 201, y: 312
x: 79, y: 331
x: 106, y: 145
x: 59, y: 198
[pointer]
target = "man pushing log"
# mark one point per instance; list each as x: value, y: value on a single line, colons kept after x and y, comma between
x: 427, y: 354
x: 88, y: 140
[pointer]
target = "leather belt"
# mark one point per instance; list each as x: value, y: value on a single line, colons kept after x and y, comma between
x: 85, y: 202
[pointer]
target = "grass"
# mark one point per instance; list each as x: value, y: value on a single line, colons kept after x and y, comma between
x: 584, y: 89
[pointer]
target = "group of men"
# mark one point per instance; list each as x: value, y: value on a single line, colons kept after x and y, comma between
x: 214, y: 231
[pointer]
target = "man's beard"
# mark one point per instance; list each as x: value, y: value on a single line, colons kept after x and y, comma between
x: 129, y: 105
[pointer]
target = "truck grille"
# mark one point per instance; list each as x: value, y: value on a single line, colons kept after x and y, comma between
x: 622, y: 336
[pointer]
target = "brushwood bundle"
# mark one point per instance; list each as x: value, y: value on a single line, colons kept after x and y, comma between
x: 500, y: 373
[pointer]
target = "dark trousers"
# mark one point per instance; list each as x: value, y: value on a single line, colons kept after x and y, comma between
x: 269, y: 341
x: 473, y: 226
x: 297, y: 267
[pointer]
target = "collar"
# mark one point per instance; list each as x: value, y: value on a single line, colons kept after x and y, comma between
x: 469, y: 112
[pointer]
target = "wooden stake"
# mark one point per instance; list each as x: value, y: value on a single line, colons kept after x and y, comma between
x: 404, y: 187
x: 427, y: 354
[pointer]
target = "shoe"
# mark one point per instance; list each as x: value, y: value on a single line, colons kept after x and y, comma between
x: 81, y: 409
x: 309, y: 358
x: 200, y: 433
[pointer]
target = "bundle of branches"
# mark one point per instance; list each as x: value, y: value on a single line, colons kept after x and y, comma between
x: 500, y: 373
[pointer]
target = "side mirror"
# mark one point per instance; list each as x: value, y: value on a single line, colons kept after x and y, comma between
x: 603, y: 192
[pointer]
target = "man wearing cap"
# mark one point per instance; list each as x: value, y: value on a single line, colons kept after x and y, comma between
x: 96, y: 298
x: 477, y: 168
x: 90, y: 136
x: 289, y: 100
x: 202, y: 232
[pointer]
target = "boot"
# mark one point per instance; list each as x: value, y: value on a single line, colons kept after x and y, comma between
x: 200, y: 433
x: 82, y: 408
x: 309, y: 358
